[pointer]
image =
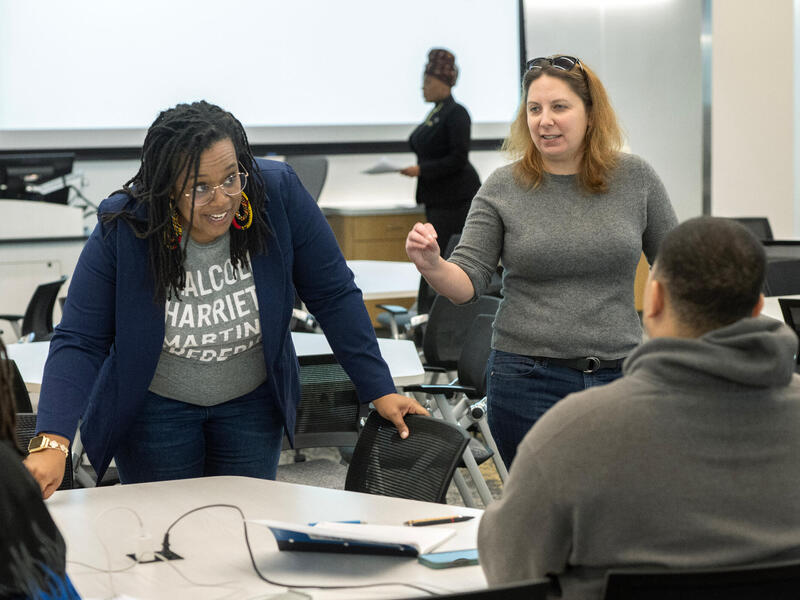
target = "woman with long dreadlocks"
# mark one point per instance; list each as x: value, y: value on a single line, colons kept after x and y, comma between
x: 174, y: 348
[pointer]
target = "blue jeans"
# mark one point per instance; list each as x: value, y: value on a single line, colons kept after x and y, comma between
x: 176, y: 440
x: 520, y: 389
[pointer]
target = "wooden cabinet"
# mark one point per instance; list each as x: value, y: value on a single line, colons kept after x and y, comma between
x: 374, y: 235
x: 642, y: 271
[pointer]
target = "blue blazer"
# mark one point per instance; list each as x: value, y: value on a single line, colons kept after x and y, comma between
x: 104, y: 353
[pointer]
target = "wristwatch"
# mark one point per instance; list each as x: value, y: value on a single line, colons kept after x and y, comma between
x: 42, y: 442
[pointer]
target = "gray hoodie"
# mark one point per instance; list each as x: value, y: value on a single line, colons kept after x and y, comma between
x: 692, y: 459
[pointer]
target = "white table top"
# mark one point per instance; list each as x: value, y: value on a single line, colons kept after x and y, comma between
x: 212, y: 545
x: 772, y: 308
x: 400, y: 355
x: 384, y: 279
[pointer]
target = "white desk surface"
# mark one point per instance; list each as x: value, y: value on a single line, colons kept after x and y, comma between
x: 400, y: 355
x: 772, y: 308
x: 384, y: 279
x: 212, y: 544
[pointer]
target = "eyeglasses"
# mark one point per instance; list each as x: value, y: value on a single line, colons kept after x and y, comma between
x: 232, y: 186
x: 563, y: 63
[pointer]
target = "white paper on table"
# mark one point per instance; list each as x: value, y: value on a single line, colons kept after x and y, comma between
x: 384, y: 165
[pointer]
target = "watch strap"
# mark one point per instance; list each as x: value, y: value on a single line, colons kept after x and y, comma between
x: 46, y: 443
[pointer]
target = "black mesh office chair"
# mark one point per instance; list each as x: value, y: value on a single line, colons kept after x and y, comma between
x: 522, y: 590
x: 419, y: 467
x: 782, y: 277
x: 448, y: 326
x: 468, y: 407
x: 777, y: 581
x: 26, y: 429
x: 409, y: 322
x: 329, y: 415
x: 38, y: 317
x: 312, y: 171
x: 759, y: 226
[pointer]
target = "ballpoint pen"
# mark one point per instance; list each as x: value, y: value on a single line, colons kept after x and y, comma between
x: 437, y: 521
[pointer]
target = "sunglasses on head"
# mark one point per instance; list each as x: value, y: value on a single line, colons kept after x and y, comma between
x: 563, y: 63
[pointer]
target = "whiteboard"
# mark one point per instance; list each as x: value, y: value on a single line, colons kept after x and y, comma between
x: 95, y: 73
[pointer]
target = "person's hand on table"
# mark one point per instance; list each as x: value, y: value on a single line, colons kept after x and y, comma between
x: 412, y: 171
x: 47, y: 466
x: 422, y: 247
x: 393, y: 407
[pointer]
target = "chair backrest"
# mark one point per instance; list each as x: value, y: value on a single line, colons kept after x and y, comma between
x: 759, y: 226
x: 475, y: 355
x: 312, y: 171
x: 26, y: 429
x: 782, y: 277
x: 38, y: 317
x: 21, y: 396
x: 521, y: 590
x: 777, y: 581
x: 451, y: 245
x: 329, y: 411
x: 448, y: 325
x: 419, y: 467
x: 426, y: 293
x: 790, y: 307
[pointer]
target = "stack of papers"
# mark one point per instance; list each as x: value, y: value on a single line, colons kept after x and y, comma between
x: 384, y: 165
x: 356, y: 538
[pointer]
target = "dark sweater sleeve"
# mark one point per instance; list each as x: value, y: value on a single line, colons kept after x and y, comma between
x: 82, y: 339
x: 457, y: 126
x: 33, y: 553
x: 326, y: 285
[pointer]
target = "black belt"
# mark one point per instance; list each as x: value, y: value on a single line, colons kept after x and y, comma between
x: 590, y: 364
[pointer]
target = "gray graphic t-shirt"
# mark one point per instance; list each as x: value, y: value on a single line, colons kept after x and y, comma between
x: 212, y: 348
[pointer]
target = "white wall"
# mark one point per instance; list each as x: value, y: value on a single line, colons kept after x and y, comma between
x: 753, y: 112
x: 647, y: 54
x: 346, y: 184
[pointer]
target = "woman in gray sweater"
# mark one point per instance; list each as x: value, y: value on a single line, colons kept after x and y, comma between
x: 568, y: 220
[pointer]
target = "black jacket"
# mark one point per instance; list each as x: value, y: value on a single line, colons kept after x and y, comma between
x: 441, y: 143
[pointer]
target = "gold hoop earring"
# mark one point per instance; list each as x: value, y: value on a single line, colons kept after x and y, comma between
x: 173, y: 234
x: 243, y: 217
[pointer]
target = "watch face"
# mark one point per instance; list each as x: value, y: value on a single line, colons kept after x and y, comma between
x: 37, y: 443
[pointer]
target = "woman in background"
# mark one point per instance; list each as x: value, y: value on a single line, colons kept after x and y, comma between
x: 569, y: 220
x: 32, y: 551
x: 446, y: 181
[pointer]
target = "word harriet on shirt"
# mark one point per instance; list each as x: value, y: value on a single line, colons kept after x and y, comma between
x: 217, y: 315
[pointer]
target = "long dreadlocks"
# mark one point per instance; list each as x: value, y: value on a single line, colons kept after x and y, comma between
x: 8, y: 408
x: 172, y: 150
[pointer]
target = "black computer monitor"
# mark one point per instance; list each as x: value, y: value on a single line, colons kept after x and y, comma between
x: 18, y: 171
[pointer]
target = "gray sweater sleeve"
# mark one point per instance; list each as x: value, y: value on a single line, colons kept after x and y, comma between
x: 530, y: 504
x: 478, y: 251
x: 660, y: 214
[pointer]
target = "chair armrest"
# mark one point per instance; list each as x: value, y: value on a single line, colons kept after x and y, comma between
x: 11, y: 317
x: 447, y: 390
x: 417, y: 320
x: 429, y: 369
x: 393, y: 309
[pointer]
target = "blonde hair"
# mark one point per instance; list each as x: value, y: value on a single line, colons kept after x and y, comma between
x: 602, y: 141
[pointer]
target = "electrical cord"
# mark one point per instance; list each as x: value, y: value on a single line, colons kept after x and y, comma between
x: 165, y: 551
x: 109, y: 570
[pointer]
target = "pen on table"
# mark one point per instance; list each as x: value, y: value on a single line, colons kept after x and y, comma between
x: 437, y: 521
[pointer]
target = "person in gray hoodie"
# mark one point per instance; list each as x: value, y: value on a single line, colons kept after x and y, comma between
x: 690, y: 460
